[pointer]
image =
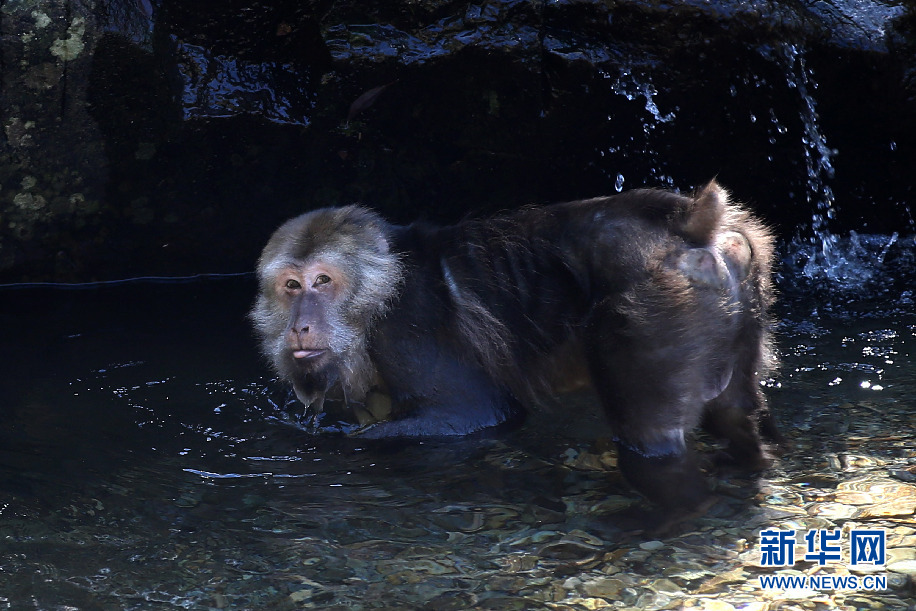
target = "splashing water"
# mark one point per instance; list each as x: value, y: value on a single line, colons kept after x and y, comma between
x: 826, y: 257
x: 636, y: 86
x: 618, y: 184
x: 629, y: 86
x: 846, y: 264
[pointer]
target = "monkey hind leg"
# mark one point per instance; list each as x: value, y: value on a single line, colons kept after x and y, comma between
x: 738, y: 416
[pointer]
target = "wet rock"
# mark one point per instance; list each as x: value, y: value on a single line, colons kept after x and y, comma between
x: 233, y: 115
x: 603, y: 587
x: 906, y: 475
x: 833, y: 511
x: 907, y: 567
x: 45, y: 55
x: 877, y: 497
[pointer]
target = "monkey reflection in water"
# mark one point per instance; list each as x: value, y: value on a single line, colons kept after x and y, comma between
x: 662, y: 298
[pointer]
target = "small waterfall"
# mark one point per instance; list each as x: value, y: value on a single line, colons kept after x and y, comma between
x: 819, y: 258
x: 843, y: 263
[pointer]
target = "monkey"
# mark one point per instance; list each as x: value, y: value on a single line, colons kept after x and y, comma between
x: 659, y: 300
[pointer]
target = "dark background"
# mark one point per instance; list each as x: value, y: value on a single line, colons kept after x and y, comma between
x: 182, y: 133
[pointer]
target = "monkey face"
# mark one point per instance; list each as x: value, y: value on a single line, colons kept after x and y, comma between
x: 309, y: 295
x: 325, y: 277
x: 307, y: 299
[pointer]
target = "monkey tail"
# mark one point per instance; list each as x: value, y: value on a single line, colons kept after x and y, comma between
x: 703, y: 214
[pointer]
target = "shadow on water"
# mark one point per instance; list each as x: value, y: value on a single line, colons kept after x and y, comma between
x: 144, y: 459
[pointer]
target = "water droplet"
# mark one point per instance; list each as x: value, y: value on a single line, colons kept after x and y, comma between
x: 618, y: 185
x: 628, y: 86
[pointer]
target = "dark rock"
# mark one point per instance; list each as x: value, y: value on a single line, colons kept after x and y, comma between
x: 166, y: 137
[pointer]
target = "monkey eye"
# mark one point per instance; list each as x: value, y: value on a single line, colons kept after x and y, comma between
x: 322, y: 279
x: 293, y: 284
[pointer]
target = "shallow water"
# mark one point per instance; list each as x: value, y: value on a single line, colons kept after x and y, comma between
x: 145, y: 462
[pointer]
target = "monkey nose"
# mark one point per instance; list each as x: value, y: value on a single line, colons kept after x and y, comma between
x: 296, y: 336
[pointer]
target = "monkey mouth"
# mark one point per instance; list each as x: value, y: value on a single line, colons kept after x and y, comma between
x: 308, y: 353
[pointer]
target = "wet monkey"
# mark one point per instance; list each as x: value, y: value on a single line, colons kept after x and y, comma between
x: 662, y: 298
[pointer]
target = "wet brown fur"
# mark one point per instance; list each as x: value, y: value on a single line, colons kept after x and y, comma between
x: 635, y: 293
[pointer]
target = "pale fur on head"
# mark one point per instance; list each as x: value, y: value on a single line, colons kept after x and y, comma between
x: 356, y: 241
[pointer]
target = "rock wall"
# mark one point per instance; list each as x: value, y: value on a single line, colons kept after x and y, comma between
x: 166, y: 137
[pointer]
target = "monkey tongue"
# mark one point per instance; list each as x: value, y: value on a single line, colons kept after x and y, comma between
x: 307, y: 354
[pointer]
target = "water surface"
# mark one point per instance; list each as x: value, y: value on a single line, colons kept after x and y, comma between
x: 146, y: 462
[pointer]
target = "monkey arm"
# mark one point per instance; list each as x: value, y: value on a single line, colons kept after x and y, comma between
x: 431, y: 389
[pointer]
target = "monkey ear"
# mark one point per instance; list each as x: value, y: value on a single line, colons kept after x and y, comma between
x: 374, y: 227
x: 381, y: 243
x: 705, y: 213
